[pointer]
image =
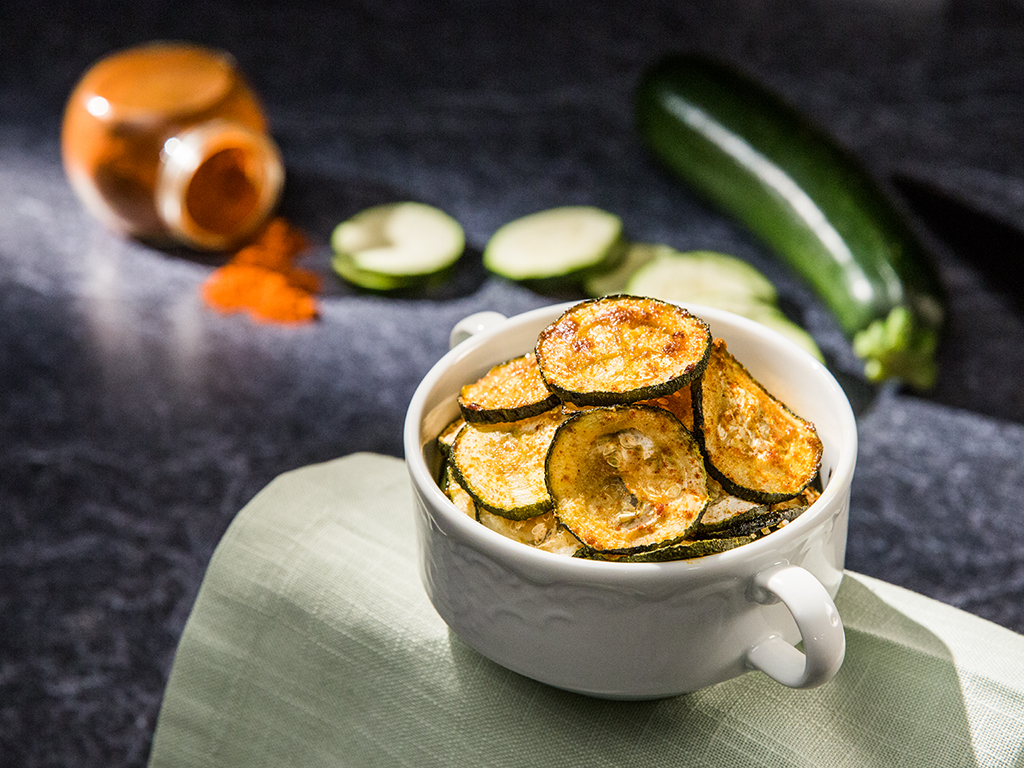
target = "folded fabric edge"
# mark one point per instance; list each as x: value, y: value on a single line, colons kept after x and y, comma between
x: 980, y: 649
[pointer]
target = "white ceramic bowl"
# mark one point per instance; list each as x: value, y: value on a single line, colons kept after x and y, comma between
x: 639, y: 630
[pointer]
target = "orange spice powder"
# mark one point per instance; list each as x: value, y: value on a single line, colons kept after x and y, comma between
x: 261, y: 279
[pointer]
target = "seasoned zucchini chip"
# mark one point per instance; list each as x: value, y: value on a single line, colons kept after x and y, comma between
x: 757, y: 522
x: 510, y: 391
x: 753, y: 444
x: 622, y: 349
x: 457, y: 494
x: 682, y: 550
x: 562, y: 543
x: 679, y: 404
x: 805, y: 498
x: 543, y: 532
x: 501, y: 466
x: 725, y: 510
x: 448, y: 435
x: 626, y: 478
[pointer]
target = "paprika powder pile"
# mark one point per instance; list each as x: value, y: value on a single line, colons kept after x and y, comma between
x: 261, y: 279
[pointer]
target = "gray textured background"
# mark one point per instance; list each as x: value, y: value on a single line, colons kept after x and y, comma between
x: 134, y: 424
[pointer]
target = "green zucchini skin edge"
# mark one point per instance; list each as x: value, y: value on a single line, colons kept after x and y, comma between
x: 503, y: 415
x: 382, y: 282
x: 792, y: 185
x: 558, y: 279
x: 570, y: 280
x: 686, y: 550
x: 748, y: 524
x: 640, y: 394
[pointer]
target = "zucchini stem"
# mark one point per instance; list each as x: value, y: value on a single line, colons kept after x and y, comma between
x: 898, y: 346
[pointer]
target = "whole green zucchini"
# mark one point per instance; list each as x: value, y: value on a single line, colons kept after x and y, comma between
x: 810, y: 201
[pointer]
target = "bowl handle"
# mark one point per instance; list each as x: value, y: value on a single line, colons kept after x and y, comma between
x: 817, y: 619
x: 472, y: 325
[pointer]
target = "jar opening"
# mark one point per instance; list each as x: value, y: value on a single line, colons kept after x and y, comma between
x: 218, y: 183
x: 223, y: 193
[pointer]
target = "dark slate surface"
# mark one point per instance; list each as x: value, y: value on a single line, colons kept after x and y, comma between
x: 134, y: 424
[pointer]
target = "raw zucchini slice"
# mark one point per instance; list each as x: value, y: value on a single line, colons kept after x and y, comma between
x: 396, y: 245
x: 626, y: 478
x: 457, y: 494
x: 621, y: 349
x: 718, y: 280
x: 501, y: 466
x: 701, y: 277
x: 615, y: 279
x: 542, y: 532
x: 773, y: 317
x: 752, y: 443
x: 560, y: 243
x: 510, y: 391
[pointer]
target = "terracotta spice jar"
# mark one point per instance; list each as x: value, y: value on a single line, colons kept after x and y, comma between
x: 167, y: 142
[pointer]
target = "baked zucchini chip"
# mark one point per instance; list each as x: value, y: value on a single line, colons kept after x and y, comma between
x: 448, y: 435
x: 457, y: 494
x: 725, y: 510
x: 757, y: 522
x: 622, y: 349
x: 729, y: 516
x: 542, y: 532
x: 626, y: 478
x: 753, y: 445
x: 805, y: 498
x: 501, y: 466
x: 683, y: 550
x: 679, y: 404
x: 510, y: 391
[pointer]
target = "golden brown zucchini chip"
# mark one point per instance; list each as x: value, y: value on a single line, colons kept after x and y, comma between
x: 542, y: 532
x: 457, y: 494
x: 626, y: 478
x: 753, y: 444
x: 448, y: 435
x: 510, y: 391
x: 686, y: 549
x: 501, y: 466
x: 679, y: 404
x: 622, y: 349
x: 725, y: 510
x: 758, y: 521
x: 804, y: 499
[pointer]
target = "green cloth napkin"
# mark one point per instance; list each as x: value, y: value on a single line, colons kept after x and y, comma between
x: 312, y: 643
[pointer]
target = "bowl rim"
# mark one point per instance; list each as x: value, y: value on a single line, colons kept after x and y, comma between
x: 541, y: 566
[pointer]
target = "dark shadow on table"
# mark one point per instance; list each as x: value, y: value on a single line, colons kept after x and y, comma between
x: 992, y: 246
x: 979, y: 256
